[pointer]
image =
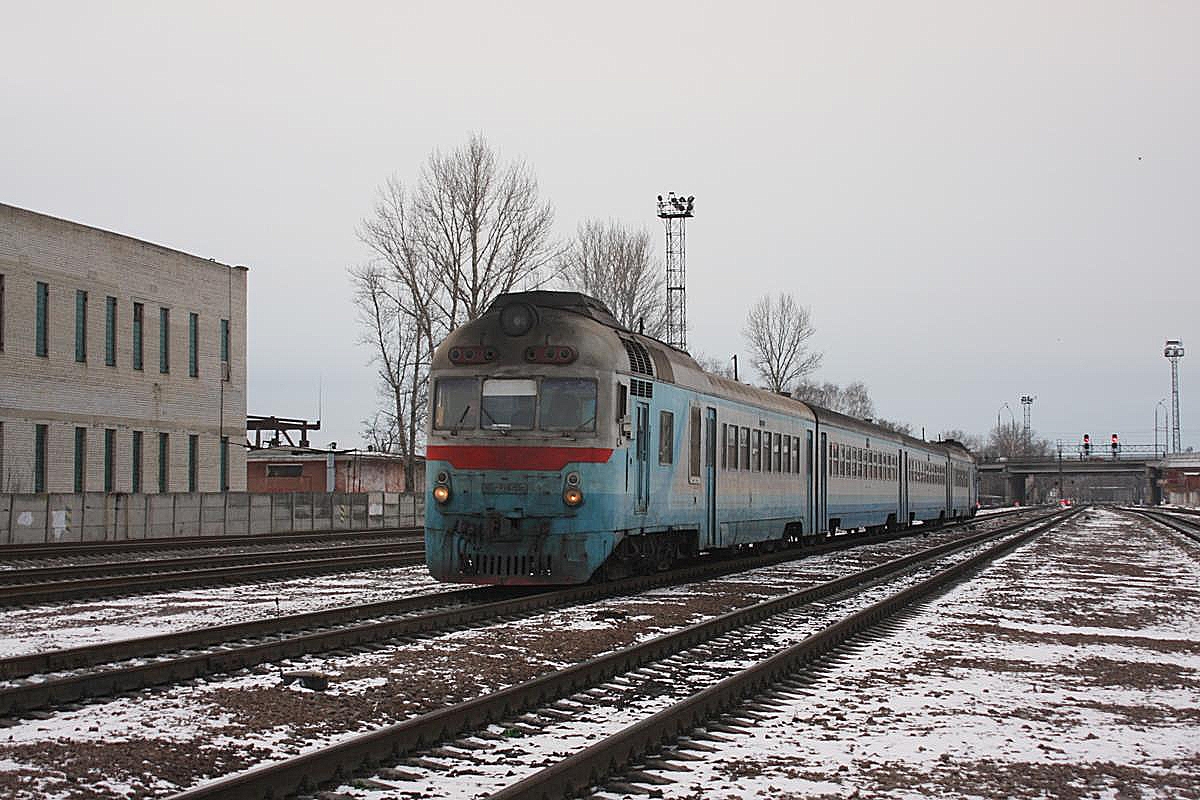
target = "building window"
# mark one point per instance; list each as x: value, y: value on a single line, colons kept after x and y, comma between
x: 80, y: 458
x: 39, y: 458
x: 285, y: 470
x: 164, y: 340
x: 110, y: 331
x: 136, y: 462
x: 193, y: 345
x: 138, y: 313
x: 1, y: 313
x: 164, y: 461
x: 666, y: 437
x: 193, y: 446
x: 41, y: 338
x: 110, y: 458
x: 80, y: 325
x: 225, y: 340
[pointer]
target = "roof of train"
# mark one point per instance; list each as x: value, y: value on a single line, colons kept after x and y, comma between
x: 683, y: 370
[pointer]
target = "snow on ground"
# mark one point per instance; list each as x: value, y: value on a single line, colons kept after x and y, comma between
x: 53, y: 626
x: 172, y: 737
x: 1069, y: 669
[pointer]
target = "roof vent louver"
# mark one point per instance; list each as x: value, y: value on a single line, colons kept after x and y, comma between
x: 639, y: 357
x: 641, y: 388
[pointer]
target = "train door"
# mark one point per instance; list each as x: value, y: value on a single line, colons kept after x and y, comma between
x: 642, y: 456
x: 710, y: 475
x: 903, y: 518
x: 809, y: 518
x: 949, y: 483
x: 823, y: 483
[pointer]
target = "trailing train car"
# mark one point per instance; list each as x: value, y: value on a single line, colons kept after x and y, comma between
x: 563, y: 447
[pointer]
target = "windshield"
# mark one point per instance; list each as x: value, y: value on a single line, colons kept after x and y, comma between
x: 508, y: 404
x: 456, y: 404
x: 568, y: 404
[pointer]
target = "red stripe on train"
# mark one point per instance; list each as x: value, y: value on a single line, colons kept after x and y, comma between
x: 514, y: 457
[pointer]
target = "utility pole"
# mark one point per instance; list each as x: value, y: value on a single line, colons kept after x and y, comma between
x: 674, y: 212
x: 1173, y: 351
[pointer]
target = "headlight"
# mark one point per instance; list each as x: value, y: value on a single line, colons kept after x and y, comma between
x: 572, y: 496
x: 517, y: 319
x: 441, y: 493
x: 572, y: 479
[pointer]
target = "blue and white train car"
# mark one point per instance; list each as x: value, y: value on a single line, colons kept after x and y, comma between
x: 564, y: 447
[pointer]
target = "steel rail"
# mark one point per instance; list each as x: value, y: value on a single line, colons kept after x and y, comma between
x: 578, y: 772
x: 12, y: 551
x: 1183, y: 527
x: 350, y: 756
x: 35, y: 575
x: 27, y: 594
x: 337, y: 628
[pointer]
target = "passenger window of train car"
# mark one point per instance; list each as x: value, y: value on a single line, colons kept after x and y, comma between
x: 756, y: 450
x: 745, y: 448
x: 568, y: 404
x: 796, y: 454
x: 694, y: 460
x: 508, y: 403
x: 776, y: 449
x: 666, y: 437
x: 731, y: 447
x: 787, y: 454
x: 768, y: 437
x: 455, y: 404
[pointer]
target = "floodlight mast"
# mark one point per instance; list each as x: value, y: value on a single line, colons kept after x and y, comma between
x: 674, y: 211
x: 1173, y: 351
x: 1027, y: 407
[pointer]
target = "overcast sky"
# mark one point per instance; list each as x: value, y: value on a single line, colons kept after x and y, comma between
x: 977, y: 201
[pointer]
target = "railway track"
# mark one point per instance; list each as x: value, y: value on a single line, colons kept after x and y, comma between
x: 46, y: 679
x: 1186, y: 525
x: 15, y: 552
x: 43, y: 584
x: 560, y: 710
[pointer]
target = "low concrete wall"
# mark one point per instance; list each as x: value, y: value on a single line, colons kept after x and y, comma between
x: 98, y: 517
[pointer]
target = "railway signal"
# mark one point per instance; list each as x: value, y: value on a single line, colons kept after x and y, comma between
x: 1087, y: 445
x: 1116, y: 445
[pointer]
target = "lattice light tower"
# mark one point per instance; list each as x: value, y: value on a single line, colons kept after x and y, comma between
x: 1173, y: 350
x: 674, y: 212
x: 1027, y: 407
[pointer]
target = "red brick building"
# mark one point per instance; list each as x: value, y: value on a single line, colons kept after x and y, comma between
x: 295, y: 469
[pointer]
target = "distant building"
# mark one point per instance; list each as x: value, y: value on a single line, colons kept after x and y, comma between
x: 1181, y: 479
x: 294, y: 469
x: 122, y: 363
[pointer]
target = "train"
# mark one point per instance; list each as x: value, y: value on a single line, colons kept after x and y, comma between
x: 565, y: 448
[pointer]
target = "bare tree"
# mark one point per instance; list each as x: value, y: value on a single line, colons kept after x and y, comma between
x: 616, y: 265
x: 894, y: 426
x: 715, y: 366
x: 853, y: 400
x: 401, y: 356
x: 466, y: 232
x: 778, y: 331
x: 970, y: 441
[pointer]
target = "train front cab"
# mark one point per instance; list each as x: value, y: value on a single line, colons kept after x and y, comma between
x: 522, y: 462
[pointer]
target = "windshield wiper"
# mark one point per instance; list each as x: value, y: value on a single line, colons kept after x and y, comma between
x: 495, y: 426
x: 458, y: 425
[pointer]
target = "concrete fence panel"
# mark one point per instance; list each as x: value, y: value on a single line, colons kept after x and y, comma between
x: 95, y: 516
x: 187, y: 514
x: 213, y: 514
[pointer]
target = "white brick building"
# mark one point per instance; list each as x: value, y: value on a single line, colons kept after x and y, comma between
x: 122, y: 363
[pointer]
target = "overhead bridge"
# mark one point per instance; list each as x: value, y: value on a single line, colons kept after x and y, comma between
x: 1136, y: 477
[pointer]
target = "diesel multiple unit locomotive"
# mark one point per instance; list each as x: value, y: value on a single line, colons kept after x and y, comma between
x: 563, y: 447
